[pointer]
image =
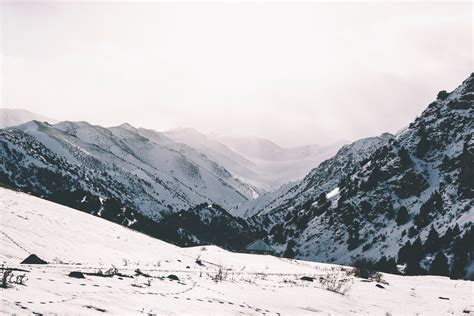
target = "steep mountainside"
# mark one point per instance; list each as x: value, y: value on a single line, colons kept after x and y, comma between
x: 406, y: 197
x: 416, y: 191
x: 237, y: 164
x: 141, y: 168
x: 14, y: 117
x: 323, y: 178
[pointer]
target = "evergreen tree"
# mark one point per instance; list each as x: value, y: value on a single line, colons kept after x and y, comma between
x: 447, y: 237
x: 446, y: 163
x: 463, y: 252
x: 429, y: 209
x: 423, y: 145
x: 417, y: 249
x: 466, y: 172
x: 412, y: 232
x: 289, y: 252
x: 456, y: 230
x: 432, y: 243
x: 322, y: 199
x: 442, y: 95
x: 405, y: 159
x: 413, y: 267
x: 460, y: 260
x: 387, y: 265
x: 404, y: 251
x: 440, y: 266
x: 402, y: 216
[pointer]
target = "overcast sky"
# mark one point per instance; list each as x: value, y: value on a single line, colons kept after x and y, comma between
x: 293, y: 73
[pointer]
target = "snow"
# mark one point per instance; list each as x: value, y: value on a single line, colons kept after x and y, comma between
x: 333, y: 193
x: 155, y: 170
x: 252, y: 285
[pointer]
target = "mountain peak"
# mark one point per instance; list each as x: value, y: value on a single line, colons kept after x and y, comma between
x: 15, y: 117
x: 127, y: 126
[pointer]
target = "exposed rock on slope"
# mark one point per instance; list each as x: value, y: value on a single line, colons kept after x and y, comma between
x: 424, y: 171
x: 141, y: 168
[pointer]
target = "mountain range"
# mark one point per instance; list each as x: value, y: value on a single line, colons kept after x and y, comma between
x: 405, y: 198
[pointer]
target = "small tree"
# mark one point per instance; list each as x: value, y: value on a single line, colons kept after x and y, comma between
x: 423, y: 145
x: 439, y: 266
x: 460, y: 259
x: 402, y: 216
x: 442, y: 95
x: 432, y: 243
x: 387, y: 265
x: 289, y: 252
x: 404, y: 252
x: 405, y: 159
x: 413, y: 267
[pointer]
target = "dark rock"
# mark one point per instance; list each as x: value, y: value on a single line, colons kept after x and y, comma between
x: 33, y: 259
x: 459, y: 104
x: 173, y: 277
x: 443, y: 298
x: 379, y: 286
x: 76, y: 275
x: 307, y: 278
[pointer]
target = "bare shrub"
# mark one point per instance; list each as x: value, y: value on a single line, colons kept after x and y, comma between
x: 112, y: 271
x: 8, y: 278
x: 336, y: 282
x: 220, y: 275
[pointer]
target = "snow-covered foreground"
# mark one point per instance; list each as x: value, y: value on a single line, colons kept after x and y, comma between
x: 256, y: 285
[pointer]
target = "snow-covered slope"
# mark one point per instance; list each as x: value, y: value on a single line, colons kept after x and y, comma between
x: 14, y: 117
x: 419, y: 181
x: 237, y: 164
x: 256, y: 160
x: 139, y: 167
x: 211, y: 281
x: 323, y: 178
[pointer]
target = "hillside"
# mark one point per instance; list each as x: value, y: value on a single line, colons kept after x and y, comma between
x: 142, y: 169
x: 322, y: 178
x: 126, y: 272
x: 415, y: 190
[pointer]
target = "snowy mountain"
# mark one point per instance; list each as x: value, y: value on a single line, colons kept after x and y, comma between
x: 142, y: 169
x: 14, y: 117
x: 96, y: 267
x: 385, y: 198
x: 238, y: 165
x: 414, y: 190
x: 323, y: 178
x: 255, y: 160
